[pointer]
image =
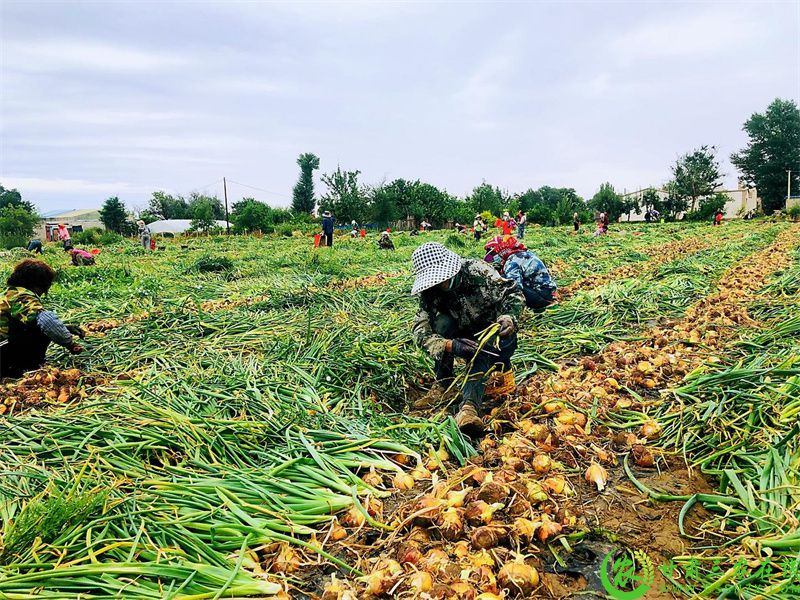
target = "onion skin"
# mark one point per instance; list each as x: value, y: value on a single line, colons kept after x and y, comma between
x: 492, y: 492
x: 403, y: 481
x: 463, y: 590
x: 451, y: 523
x: 421, y: 581
x: 642, y: 456
x: 651, y: 430
x: 518, y: 577
x: 597, y: 475
x: 542, y: 463
x: 409, y: 554
x: 488, y: 536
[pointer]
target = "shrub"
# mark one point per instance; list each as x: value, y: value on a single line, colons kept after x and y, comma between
x: 9, y: 241
x: 794, y: 212
x: 286, y: 229
x: 87, y: 237
x: 212, y: 264
x: 456, y: 239
x: 108, y: 238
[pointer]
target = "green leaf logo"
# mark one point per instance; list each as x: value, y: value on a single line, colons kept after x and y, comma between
x: 622, y: 576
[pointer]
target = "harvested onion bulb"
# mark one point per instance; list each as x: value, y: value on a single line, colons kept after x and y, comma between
x: 518, y: 577
x: 597, y: 475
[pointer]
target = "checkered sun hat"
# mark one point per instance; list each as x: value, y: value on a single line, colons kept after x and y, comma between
x: 433, y: 264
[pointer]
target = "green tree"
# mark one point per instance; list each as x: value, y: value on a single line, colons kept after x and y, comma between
x: 630, y: 204
x: 696, y: 175
x: 772, y: 149
x: 485, y: 197
x: 9, y: 197
x: 650, y: 199
x: 203, y: 218
x: 16, y: 225
x: 433, y: 204
x: 708, y: 207
x: 384, y: 205
x: 148, y: 216
x: 113, y: 215
x: 216, y: 204
x: 673, y: 204
x: 608, y: 201
x: 303, y: 192
x: 345, y: 197
x: 249, y: 215
x: 167, y: 206
x: 551, y: 206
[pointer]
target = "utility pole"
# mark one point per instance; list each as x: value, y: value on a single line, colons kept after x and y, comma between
x: 788, y: 185
x: 227, y: 219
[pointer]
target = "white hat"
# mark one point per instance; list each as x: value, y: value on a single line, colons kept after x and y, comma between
x: 433, y: 264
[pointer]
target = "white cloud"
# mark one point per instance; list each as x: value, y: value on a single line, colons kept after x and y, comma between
x: 231, y: 85
x: 713, y: 31
x: 34, y: 114
x: 37, y: 55
x: 486, y: 85
x: 38, y: 185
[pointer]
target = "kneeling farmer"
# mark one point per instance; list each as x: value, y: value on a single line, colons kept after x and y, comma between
x: 458, y: 299
x: 519, y: 264
x: 26, y: 328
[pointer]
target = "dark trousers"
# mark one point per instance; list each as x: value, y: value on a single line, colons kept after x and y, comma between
x: 537, y: 299
x: 447, y: 327
x: 25, y: 350
x: 576, y: 226
x: 327, y: 239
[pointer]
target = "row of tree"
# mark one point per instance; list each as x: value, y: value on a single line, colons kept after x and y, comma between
x: 773, y: 148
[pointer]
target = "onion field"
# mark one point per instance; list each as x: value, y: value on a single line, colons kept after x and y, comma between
x: 240, y: 425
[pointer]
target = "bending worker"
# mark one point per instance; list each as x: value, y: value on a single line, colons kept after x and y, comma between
x: 458, y: 299
x: 385, y: 242
x: 516, y: 262
x: 26, y: 328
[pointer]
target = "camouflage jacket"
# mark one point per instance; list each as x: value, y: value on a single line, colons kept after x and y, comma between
x: 479, y: 298
x: 19, y: 304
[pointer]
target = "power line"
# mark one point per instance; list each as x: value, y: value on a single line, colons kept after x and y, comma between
x: 209, y: 185
x: 258, y: 188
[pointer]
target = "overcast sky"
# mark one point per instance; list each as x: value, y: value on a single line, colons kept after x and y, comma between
x: 116, y: 98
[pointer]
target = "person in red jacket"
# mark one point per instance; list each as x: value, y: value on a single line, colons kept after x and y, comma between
x: 508, y: 224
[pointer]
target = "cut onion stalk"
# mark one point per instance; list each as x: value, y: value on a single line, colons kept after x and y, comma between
x: 455, y: 498
x: 597, y: 475
x: 480, y: 513
x: 450, y: 523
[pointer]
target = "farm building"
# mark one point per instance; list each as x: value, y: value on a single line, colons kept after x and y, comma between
x: 741, y: 200
x: 79, y: 219
x: 175, y: 226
